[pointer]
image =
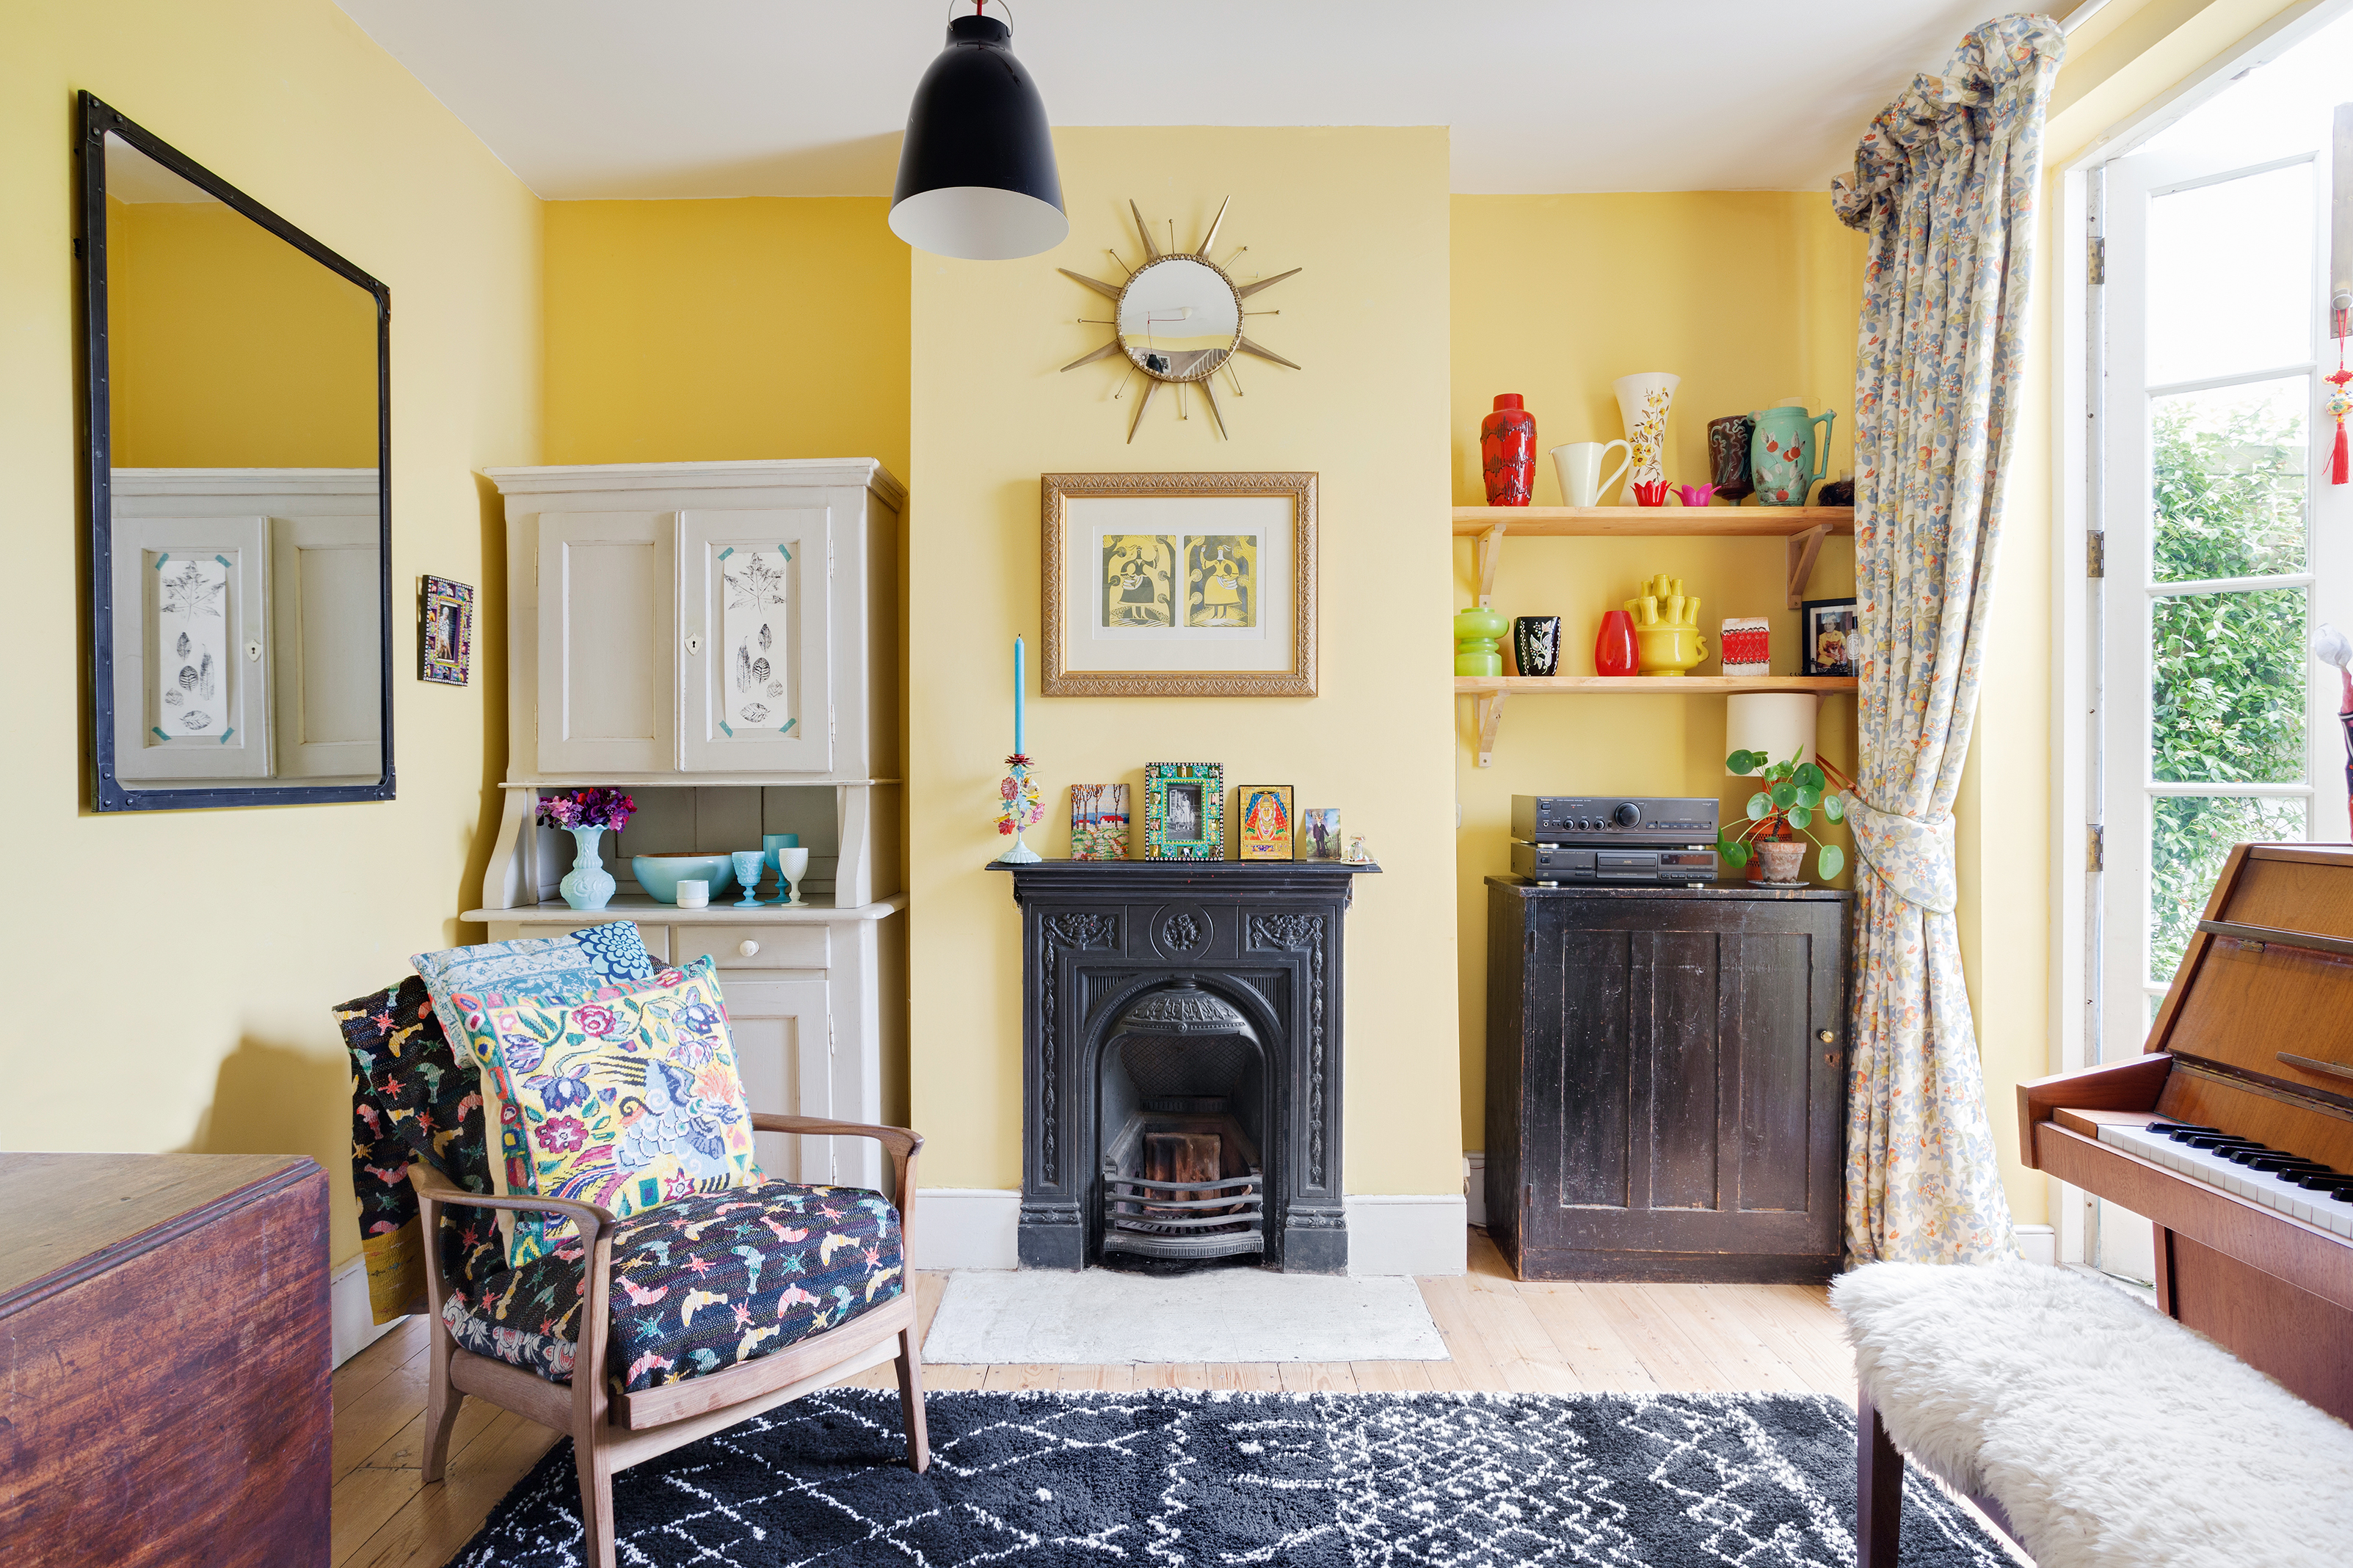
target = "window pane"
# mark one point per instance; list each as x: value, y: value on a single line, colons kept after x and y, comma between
x: 2188, y: 840
x: 2229, y: 276
x: 2227, y: 481
x: 2227, y: 688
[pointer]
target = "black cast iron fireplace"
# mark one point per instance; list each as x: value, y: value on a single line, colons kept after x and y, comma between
x: 1181, y: 1062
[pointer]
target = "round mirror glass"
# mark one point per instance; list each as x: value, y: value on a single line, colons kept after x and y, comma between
x: 1179, y: 319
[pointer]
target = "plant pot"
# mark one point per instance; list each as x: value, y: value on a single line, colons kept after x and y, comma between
x: 1783, y: 859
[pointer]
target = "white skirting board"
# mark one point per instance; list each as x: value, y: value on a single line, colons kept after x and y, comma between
x: 977, y: 1227
x: 1474, y: 1184
x: 2039, y: 1243
x: 352, y: 1322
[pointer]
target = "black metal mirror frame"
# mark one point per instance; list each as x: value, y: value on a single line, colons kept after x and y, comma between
x: 97, y: 121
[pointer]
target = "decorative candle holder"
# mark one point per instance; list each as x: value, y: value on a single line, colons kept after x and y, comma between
x: 791, y: 865
x: 749, y: 864
x: 1476, y: 630
x: 1018, y: 809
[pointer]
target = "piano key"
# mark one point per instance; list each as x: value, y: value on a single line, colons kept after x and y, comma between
x: 2319, y: 1198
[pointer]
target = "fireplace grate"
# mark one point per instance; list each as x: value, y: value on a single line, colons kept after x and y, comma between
x: 1171, y: 1219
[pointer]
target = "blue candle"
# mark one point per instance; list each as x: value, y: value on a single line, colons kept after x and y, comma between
x: 1018, y: 657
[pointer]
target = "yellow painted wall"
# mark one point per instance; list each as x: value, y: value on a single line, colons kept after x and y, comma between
x: 232, y: 349
x: 768, y: 327
x: 1365, y: 213
x: 187, y: 960
x: 1750, y: 296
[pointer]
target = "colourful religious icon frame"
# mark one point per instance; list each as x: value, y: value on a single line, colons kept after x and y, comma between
x: 1264, y: 822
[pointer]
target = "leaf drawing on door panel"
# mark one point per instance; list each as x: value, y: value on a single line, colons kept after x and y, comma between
x: 755, y: 713
x: 743, y: 668
x: 183, y: 644
x: 192, y: 593
x: 758, y: 583
x: 764, y: 637
x: 204, y: 677
x: 760, y: 672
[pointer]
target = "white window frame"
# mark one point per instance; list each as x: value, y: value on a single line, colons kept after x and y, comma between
x: 2077, y: 498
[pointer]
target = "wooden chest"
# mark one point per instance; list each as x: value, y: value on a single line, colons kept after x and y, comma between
x: 164, y: 1338
x: 1666, y: 1080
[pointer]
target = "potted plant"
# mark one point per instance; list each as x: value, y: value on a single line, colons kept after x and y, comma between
x: 1781, y: 813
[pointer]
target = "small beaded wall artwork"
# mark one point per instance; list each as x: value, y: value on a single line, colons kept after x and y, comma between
x: 445, y: 630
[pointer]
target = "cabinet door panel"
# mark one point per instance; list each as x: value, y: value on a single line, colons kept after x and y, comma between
x: 326, y: 619
x: 1675, y: 980
x: 191, y: 625
x: 754, y: 650
x: 608, y: 620
x: 1591, y: 1073
x: 1767, y: 1016
x: 784, y: 1052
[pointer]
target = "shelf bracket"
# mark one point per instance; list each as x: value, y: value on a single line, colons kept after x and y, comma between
x: 1491, y: 718
x: 1803, y: 548
x: 1490, y: 550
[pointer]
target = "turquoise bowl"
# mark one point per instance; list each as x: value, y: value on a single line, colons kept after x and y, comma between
x: 660, y: 875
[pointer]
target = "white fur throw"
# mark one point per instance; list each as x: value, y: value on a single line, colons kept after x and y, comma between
x: 2112, y: 1437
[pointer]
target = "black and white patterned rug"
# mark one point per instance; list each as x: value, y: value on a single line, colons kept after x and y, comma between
x: 1160, y: 1478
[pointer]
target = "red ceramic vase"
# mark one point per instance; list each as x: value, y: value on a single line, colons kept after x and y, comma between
x: 1614, y: 651
x: 1507, y: 451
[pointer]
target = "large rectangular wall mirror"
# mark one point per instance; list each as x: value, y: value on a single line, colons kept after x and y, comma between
x: 239, y: 377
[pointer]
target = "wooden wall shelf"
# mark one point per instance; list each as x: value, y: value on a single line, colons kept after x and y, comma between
x: 1805, y: 527
x: 1489, y: 690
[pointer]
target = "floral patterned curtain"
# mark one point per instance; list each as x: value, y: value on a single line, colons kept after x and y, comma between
x: 1944, y: 184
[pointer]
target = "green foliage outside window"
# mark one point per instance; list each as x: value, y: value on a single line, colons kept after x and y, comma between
x: 2227, y: 670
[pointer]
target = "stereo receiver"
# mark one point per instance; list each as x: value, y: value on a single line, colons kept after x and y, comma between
x: 1663, y: 822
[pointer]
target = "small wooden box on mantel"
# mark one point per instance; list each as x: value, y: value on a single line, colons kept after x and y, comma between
x: 1666, y: 1080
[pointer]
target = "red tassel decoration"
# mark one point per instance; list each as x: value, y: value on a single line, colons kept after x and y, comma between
x: 2340, y: 404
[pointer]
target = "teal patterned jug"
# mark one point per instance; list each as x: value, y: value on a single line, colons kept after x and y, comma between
x: 1784, y: 458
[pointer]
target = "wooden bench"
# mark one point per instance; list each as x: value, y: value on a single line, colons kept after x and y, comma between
x: 2095, y: 1432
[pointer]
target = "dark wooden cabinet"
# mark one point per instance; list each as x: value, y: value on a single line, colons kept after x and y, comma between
x: 164, y: 1328
x: 1666, y: 1080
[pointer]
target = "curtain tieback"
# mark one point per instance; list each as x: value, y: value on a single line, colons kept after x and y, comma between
x: 1911, y: 857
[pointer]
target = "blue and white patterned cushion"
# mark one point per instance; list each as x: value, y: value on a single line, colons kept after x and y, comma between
x: 610, y: 954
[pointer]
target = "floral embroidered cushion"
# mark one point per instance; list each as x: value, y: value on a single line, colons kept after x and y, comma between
x: 700, y: 1284
x: 611, y: 953
x: 623, y: 1099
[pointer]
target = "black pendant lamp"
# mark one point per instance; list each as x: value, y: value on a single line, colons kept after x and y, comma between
x: 977, y: 176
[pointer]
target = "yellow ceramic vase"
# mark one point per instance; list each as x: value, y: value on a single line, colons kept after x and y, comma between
x: 1666, y: 626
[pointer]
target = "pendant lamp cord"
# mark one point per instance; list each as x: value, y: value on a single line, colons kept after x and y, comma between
x: 981, y: 8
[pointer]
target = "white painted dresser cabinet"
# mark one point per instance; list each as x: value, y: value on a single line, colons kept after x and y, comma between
x: 721, y: 639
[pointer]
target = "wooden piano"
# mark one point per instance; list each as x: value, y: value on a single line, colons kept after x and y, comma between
x: 2227, y: 1131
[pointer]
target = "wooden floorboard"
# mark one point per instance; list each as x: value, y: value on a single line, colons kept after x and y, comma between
x: 1503, y: 1334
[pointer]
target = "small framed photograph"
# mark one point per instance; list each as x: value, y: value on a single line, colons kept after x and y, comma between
x: 1319, y: 833
x: 445, y: 632
x: 1265, y: 831
x: 1099, y: 822
x: 1179, y: 584
x: 1826, y: 637
x: 1184, y: 810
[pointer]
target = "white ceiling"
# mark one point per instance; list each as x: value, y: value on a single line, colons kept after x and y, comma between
x: 742, y: 97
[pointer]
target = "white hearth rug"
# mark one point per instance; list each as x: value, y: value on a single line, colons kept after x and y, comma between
x: 1103, y: 1316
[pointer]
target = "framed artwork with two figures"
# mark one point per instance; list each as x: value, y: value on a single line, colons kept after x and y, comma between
x: 1179, y: 584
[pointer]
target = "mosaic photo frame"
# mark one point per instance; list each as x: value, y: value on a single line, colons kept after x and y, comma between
x: 1184, y: 810
x: 445, y: 631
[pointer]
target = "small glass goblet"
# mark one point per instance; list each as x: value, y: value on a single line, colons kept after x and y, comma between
x: 749, y: 864
x: 791, y: 865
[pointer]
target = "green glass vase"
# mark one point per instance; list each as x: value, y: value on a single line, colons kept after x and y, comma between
x: 1475, y: 634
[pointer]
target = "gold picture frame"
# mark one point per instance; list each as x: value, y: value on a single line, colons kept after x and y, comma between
x: 1179, y: 584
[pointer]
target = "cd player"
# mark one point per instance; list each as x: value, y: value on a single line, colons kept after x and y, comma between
x: 1548, y: 865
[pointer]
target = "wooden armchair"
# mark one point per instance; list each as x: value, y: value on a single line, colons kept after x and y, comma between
x: 612, y: 1429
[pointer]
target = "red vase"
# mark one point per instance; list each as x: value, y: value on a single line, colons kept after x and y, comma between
x: 1614, y: 651
x: 1507, y: 451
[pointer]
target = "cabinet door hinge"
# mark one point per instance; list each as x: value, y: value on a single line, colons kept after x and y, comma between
x: 2095, y: 554
x: 2096, y: 848
x: 2096, y: 262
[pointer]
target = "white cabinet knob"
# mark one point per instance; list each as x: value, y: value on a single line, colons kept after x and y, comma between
x: 747, y: 948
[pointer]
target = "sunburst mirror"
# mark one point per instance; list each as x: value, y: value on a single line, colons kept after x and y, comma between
x: 1178, y: 320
